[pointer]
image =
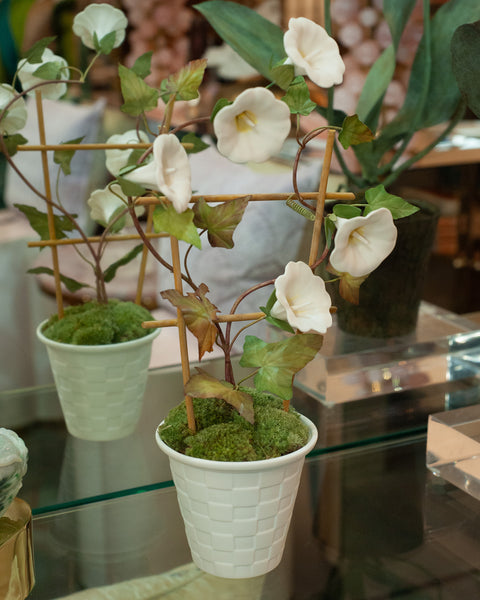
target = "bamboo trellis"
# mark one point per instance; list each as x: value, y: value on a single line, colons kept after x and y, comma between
x: 150, y: 202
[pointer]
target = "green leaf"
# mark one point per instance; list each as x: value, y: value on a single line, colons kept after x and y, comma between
x: 221, y: 220
x: 191, y: 138
x: 106, y: 44
x: 279, y: 361
x: 35, y: 53
x: 130, y: 188
x: 138, y: 96
x: 111, y: 271
x: 254, y: 38
x: 346, y: 211
x: 70, y: 284
x: 186, y: 82
x: 221, y: 102
x: 354, y: 132
x: 143, y: 65
x: 376, y: 84
x: 330, y: 228
x: 298, y: 99
x: 397, y: 14
x: 199, y: 314
x: 64, y: 157
x: 283, y: 75
x: 12, y: 141
x: 273, y: 320
x: 39, y: 222
x: 203, y: 385
x: 378, y: 197
x: 167, y: 220
x: 49, y: 70
x: 465, y: 49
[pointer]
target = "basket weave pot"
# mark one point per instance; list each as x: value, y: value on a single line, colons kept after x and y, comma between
x: 237, y: 514
x: 100, y: 388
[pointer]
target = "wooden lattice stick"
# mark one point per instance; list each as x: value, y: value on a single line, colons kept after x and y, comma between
x: 182, y: 331
x: 48, y: 195
x: 322, y: 190
x: 253, y: 197
x: 96, y: 146
x: 220, y: 319
x: 145, y: 253
x: 93, y: 239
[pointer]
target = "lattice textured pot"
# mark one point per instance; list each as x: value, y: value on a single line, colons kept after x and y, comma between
x: 237, y: 514
x: 100, y: 388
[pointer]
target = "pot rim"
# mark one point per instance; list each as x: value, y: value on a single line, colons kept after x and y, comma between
x: 245, y: 466
x: 91, y: 348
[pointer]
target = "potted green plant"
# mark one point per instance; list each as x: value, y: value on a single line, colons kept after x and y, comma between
x: 99, y: 352
x: 432, y: 98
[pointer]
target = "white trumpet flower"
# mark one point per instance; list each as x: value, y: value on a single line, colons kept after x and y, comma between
x: 362, y: 243
x: 302, y: 299
x: 253, y: 128
x: 98, y: 20
x: 169, y: 172
x: 52, y: 91
x: 16, y: 115
x: 106, y: 204
x: 117, y: 159
x: 313, y: 52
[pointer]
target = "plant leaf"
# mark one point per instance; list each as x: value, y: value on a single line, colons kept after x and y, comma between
x: 64, y: 157
x: 354, y: 132
x: 49, y: 70
x: 106, y: 44
x: 13, y: 141
x: 138, y: 96
x: 34, y: 54
x: 143, y: 65
x: 254, y: 38
x: 346, y: 211
x: 198, y: 143
x: 111, y: 271
x: 70, y: 284
x: 203, y: 385
x: 283, y: 75
x: 130, y: 188
x: 466, y: 66
x: 39, y: 222
x: 186, y: 82
x: 199, y: 314
x: 220, y: 221
x: 279, y: 361
x: 378, y: 197
x: 220, y: 103
x: 167, y: 220
x: 298, y: 99
x: 273, y: 320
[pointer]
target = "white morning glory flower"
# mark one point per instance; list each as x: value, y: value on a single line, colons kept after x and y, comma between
x: 117, y: 159
x: 15, y: 117
x: 100, y: 20
x: 169, y: 172
x: 302, y: 299
x: 313, y: 52
x: 108, y: 203
x: 253, y: 128
x: 52, y: 91
x: 362, y: 243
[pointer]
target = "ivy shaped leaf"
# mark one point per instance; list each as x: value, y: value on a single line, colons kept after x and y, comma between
x: 354, y: 132
x: 203, y: 385
x: 199, y: 314
x: 220, y: 221
x: 283, y: 75
x: 185, y: 83
x: 220, y: 103
x: 71, y: 284
x: 130, y: 188
x: 49, y: 70
x: 35, y: 53
x: 277, y: 362
x: 13, y: 141
x: 138, y: 96
x: 378, y: 197
x: 298, y: 99
x: 346, y: 211
x: 64, y: 157
x: 198, y: 143
x: 39, y: 222
x: 143, y: 65
x: 180, y: 225
x: 111, y: 271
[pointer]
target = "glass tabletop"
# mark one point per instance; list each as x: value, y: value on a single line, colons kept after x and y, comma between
x: 370, y: 522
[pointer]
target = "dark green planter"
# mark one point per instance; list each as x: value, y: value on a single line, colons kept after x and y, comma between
x: 390, y: 297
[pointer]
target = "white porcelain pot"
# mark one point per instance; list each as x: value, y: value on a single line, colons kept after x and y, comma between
x: 237, y: 514
x: 101, y: 387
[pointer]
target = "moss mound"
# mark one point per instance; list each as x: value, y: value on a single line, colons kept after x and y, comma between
x: 223, y: 435
x: 92, y: 324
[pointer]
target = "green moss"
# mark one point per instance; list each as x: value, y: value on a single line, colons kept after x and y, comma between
x: 222, y: 434
x: 98, y: 324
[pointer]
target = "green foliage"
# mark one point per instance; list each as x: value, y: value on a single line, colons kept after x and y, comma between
x: 191, y: 138
x: 354, y: 132
x: 39, y: 222
x: 167, y: 220
x: 184, y: 84
x: 106, y: 44
x: 277, y: 362
x: 34, y: 54
x: 283, y: 75
x: 71, y: 284
x: 98, y: 324
x: 138, y: 96
x: 111, y: 271
x: 220, y: 103
x: 298, y: 99
x: 220, y: 221
x: 378, y: 197
x: 273, y: 320
x: 12, y: 141
x: 346, y: 211
x: 143, y: 65
x: 64, y: 157
x: 223, y: 435
x: 465, y: 49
